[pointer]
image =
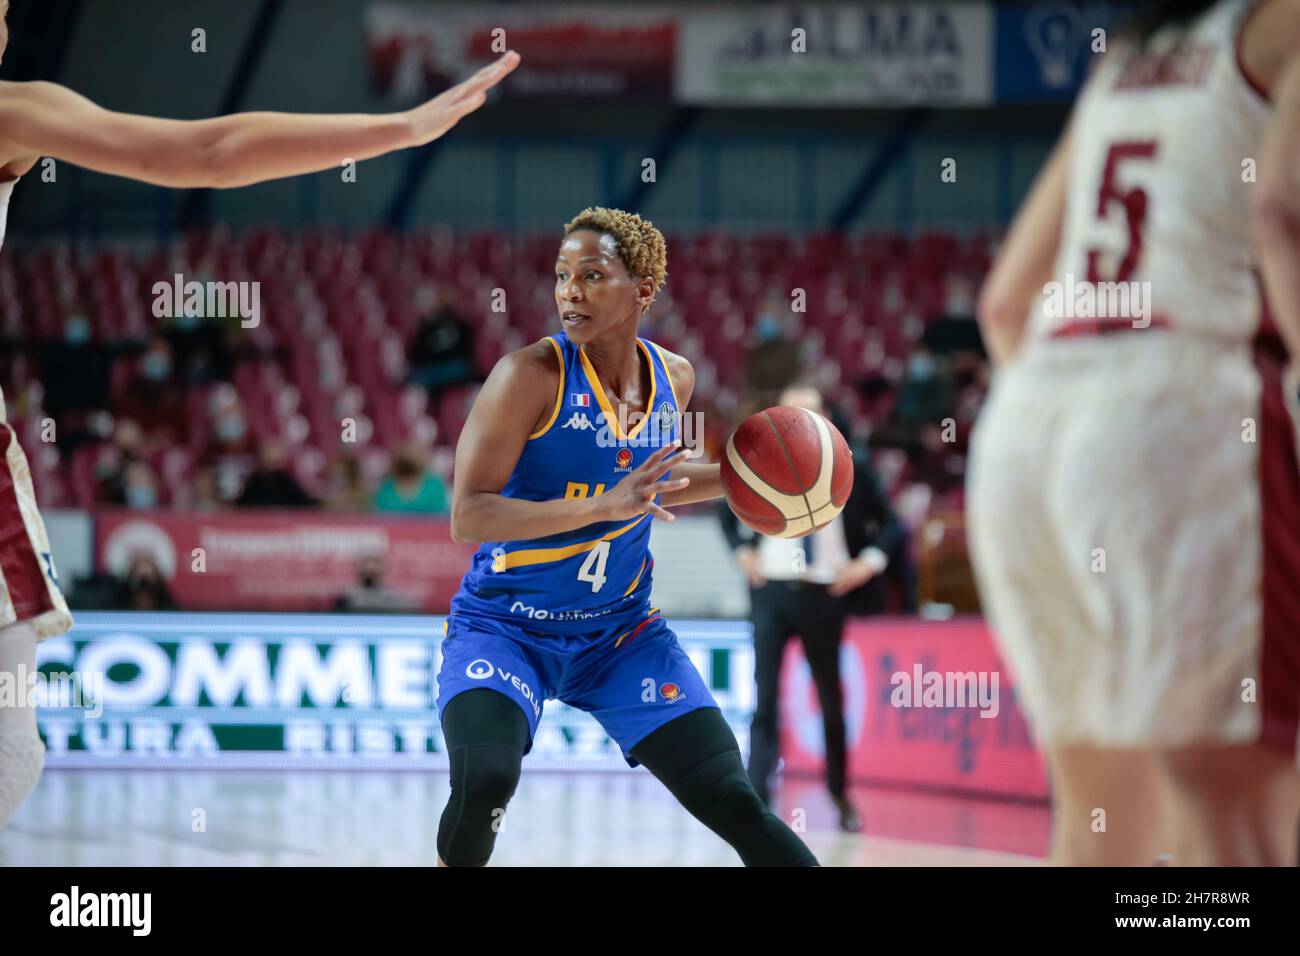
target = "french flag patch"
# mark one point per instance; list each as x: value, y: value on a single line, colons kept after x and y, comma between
x: 580, y: 398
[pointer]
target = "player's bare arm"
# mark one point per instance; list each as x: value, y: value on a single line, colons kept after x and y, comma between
x: 703, y: 481
x: 45, y: 119
x: 1024, y: 263
x: 1270, y: 52
x: 517, y: 400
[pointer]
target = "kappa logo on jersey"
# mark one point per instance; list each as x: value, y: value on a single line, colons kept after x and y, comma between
x: 580, y: 398
x: 671, y: 693
x: 580, y: 421
x: 623, y: 460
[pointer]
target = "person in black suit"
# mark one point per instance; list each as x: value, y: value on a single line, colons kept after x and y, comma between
x: 808, y: 586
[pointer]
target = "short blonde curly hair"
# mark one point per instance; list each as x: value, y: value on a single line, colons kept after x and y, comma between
x: 640, y: 245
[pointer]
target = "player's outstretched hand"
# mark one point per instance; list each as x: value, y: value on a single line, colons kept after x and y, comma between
x: 635, y: 494
x: 430, y: 120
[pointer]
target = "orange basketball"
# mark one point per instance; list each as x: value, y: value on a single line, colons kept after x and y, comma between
x: 787, y: 471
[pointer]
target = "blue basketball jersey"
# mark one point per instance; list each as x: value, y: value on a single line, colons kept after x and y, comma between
x: 595, y: 576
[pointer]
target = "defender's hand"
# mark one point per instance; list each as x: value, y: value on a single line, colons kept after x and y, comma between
x: 432, y: 119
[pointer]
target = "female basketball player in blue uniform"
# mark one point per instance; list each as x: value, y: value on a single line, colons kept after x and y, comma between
x: 563, y: 463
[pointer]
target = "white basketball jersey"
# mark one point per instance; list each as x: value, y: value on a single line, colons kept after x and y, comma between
x: 6, y: 190
x: 1162, y: 153
x: 29, y: 588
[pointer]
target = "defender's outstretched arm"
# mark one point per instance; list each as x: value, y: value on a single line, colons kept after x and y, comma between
x: 45, y: 119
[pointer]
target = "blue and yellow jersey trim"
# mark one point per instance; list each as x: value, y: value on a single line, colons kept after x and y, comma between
x: 637, y: 580
x: 631, y: 633
x: 516, y: 559
x: 603, y: 400
x: 559, y: 392
x: 663, y: 360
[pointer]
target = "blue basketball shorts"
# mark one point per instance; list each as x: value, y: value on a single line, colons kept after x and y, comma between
x: 633, y: 678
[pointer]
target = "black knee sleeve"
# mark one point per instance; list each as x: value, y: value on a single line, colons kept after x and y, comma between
x: 486, y: 736
x: 697, y: 759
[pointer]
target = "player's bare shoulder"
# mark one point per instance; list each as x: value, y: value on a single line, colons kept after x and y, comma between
x: 36, y: 91
x: 32, y: 94
x: 16, y: 101
x: 528, y: 378
x: 535, y: 364
x: 682, y: 374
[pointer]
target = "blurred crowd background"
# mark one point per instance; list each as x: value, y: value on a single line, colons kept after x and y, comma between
x: 359, y: 410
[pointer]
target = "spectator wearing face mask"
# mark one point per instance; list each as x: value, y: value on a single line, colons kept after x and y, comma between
x: 75, y: 370
x: 773, y: 361
x: 924, y: 422
x: 410, y: 486
x: 75, y: 375
x: 230, y: 429
x: 926, y: 395
x: 230, y: 449
x: 143, y: 588
x: 139, y: 486
x: 370, y: 596
x: 125, y: 476
x: 154, y: 398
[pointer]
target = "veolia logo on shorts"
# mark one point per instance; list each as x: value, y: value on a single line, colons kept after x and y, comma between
x: 479, y: 669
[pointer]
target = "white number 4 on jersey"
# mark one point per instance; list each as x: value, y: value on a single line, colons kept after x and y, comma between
x: 593, y: 569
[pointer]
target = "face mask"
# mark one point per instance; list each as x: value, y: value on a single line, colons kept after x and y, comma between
x: 187, y: 323
x: 77, y: 331
x: 768, y: 328
x: 155, y: 366
x: 920, y: 366
x: 141, y: 496
x: 230, y: 428
x: 229, y: 484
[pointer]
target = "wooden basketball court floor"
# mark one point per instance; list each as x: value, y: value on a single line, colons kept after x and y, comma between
x: 119, y: 817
